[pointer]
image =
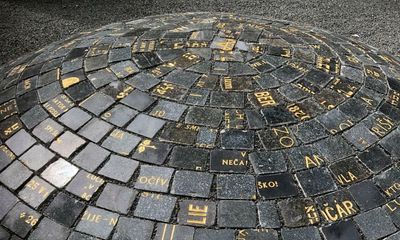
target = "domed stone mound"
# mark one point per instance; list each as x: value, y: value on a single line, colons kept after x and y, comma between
x: 201, y: 126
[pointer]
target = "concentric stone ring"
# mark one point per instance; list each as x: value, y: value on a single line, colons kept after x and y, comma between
x: 201, y: 126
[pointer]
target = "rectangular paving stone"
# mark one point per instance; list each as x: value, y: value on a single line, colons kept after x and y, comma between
x: 20, y: 142
x: 59, y: 173
x: 173, y: 232
x: 35, y: 192
x: 58, y: 105
x: 95, y: 129
x: 119, y: 168
x: 169, y: 91
x: 97, y: 222
x: 228, y: 161
x: 268, y: 162
x: 366, y: 194
x: 64, y: 209
x: 124, y: 69
x: 121, y: 142
x: 138, y: 100
x: 27, y: 101
x: 268, y: 214
x: 101, y: 77
x: 154, y: 178
x: 15, y: 175
x: 375, y: 159
x: 21, y: 219
x: 277, y: 138
x: 375, y: 224
x: 143, y: 81
x: 347, y: 229
x: 97, y: 103
x: 334, y: 148
x: 316, y: 181
x: 133, y: 229
x: 47, y: 229
x: 116, y: 198
x: 95, y: 63
x: 47, y: 130
x: 190, y: 183
x: 6, y: 156
x: 8, y: 201
x: 237, y: 139
x: 9, y: 126
x: 204, y: 116
x: 349, y: 171
x: 197, y: 97
x: 90, y: 157
x: 212, y: 234
x: 80, y: 91
x: 336, y: 206
x: 67, y: 144
x: 75, y: 118
x: 188, y: 158
x: 84, y: 185
x: 298, y: 212
x: 236, y: 186
x: 145, y: 125
x: 274, y: 186
x: 197, y: 213
x: 183, y: 78
x: 168, y: 110
x: 155, y: 206
x: 152, y: 152
x: 227, y: 99
x: 179, y: 133
x: 236, y: 214
x: 119, y: 115
x: 387, y: 181
x: 9, y: 108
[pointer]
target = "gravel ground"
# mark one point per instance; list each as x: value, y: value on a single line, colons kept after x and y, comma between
x: 28, y: 25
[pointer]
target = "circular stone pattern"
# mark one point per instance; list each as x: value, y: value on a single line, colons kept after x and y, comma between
x: 201, y: 126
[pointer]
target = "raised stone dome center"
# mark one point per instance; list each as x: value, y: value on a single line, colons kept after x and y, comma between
x: 201, y: 126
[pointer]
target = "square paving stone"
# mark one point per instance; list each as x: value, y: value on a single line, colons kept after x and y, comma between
x: 236, y: 186
x: 389, y: 143
x: 138, y: 100
x: 155, y: 206
x: 189, y: 158
x: 316, y: 181
x: 36, y: 157
x: 360, y: 136
x: 337, y: 205
x: 168, y: 110
x: 48, y: 92
x: 145, y: 125
x: 152, y: 152
x: 35, y: 192
x: 67, y: 144
x: 133, y: 229
x: 349, y: 171
x: 298, y: 212
x: 59, y: 173
x: 268, y: 214
x: 8, y: 200
x: 116, y: 198
x: 6, y: 156
x: 102, y: 77
x: 387, y: 181
x: 268, y: 162
x: 15, y: 175
x: 84, y: 185
x: 124, y: 69
x: 34, y: 116
x: 197, y: 213
x: 344, y: 230
x: 153, y: 178
x: 237, y: 139
x: 97, y: 103
x: 21, y: 219
x: 366, y: 195
x: 212, y: 234
x: 143, y: 81
x: 48, y: 130
x: 193, y: 184
x: 169, y: 91
x: 173, y: 232
x: 277, y: 138
x: 97, y: 222
x: 64, y: 209
x: 10, y: 126
x: 229, y: 161
x: 90, y: 157
x: 375, y: 159
x: 20, y: 142
x: 375, y: 224
x: 181, y: 77
x: 206, y: 137
x: 304, y: 233
x: 27, y: 101
x: 309, y: 131
x: 227, y: 99
x: 47, y: 229
x: 179, y: 133
x: 274, y: 186
x: 58, y: 105
x: 236, y: 214
x: 75, y: 118
x: 204, y: 116
x: 95, y: 129
x: 119, y: 168
x: 121, y: 142
x: 197, y: 97
x: 334, y: 148
x: 119, y: 115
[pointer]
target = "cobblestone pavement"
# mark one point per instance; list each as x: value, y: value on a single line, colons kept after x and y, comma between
x: 27, y: 26
x: 201, y: 126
